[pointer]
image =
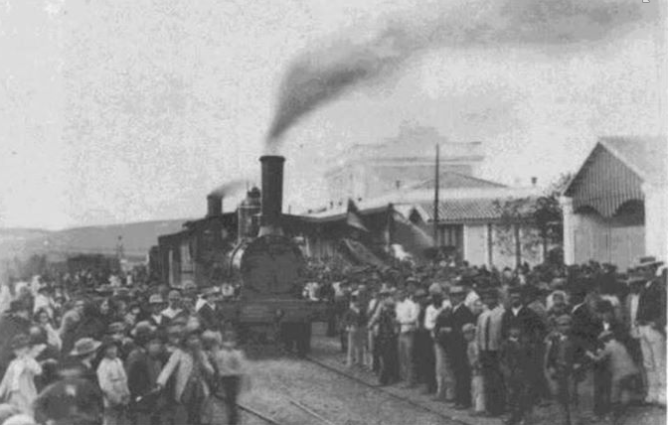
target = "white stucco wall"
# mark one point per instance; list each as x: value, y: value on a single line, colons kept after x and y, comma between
x: 475, y: 243
x: 605, y: 240
x: 656, y: 221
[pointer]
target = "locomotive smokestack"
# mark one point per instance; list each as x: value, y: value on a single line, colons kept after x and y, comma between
x: 214, y: 205
x: 272, y: 194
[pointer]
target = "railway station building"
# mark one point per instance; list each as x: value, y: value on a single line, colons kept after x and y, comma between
x: 616, y: 206
x: 390, y: 187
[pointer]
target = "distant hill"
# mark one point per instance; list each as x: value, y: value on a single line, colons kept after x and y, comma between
x: 137, y: 239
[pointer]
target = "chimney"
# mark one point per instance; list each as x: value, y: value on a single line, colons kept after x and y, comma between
x: 214, y: 205
x: 272, y: 194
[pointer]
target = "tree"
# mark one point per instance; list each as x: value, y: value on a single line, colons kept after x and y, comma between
x: 541, y: 215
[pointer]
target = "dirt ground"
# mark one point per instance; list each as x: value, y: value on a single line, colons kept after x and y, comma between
x: 328, y: 351
x: 280, y: 382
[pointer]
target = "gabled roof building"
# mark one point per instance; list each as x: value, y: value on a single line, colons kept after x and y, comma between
x: 616, y: 205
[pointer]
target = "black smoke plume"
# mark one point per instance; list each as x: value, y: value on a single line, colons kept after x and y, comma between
x: 318, y: 77
x: 230, y: 188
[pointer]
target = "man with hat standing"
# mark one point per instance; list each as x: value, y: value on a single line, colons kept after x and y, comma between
x: 651, y: 320
x: 532, y: 331
x: 80, y: 363
x: 157, y: 305
x: 489, y: 338
x: 407, y: 312
x: 425, y: 360
x: 207, y: 310
x: 630, y: 317
x: 175, y: 307
x: 461, y: 315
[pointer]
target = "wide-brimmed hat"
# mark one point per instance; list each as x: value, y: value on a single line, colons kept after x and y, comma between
x: 635, y: 278
x: 469, y: 327
x: 85, y: 346
x: 213, y: 290
x: 558, y: 283
x: 116, y: 327
x: 564, y: 319
x: 649, y: 261
x: 385, y: 291
x: 18, y: 305
x: 420, y: 293
x: 435, y: 289
x: 155, y: 299
x: 457, y: 290
x: 20, y: 341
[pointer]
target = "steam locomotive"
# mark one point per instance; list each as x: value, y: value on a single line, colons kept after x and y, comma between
x: 256, y: 244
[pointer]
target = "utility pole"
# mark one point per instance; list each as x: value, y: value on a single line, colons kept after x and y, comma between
x: 437, y: 185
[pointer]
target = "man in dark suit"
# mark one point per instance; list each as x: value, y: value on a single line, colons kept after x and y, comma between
x: 586, y: 327
x: 532, y: 333
x: 157, y: 319
x: 207, y: 311
x: 461, y: 315
x: 651, y: 320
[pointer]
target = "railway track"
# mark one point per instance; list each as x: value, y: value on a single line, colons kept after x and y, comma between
x: 384, y: 391
x: 258, y: 414
x: 273, y: 421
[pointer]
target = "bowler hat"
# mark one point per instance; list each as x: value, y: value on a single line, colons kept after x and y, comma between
x: 20, y: 341
x: 644, y: 262
x: 85, y: 346
x: 457, y: 290
x: 155, y: 299
x: 116, y: 327
x: 564, y: 319
x: 435, y: 288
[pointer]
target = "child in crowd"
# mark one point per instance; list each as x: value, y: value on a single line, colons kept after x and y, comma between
x: 477, y: 383
x: 18, y: 384
x: 621, y: 368
x: 514, y: 360
x: 563, y: 366
x: 229, y: 362
x: 143, y: 368
x: 113, y: 383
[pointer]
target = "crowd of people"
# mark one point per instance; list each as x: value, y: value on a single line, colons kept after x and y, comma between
x: 502, y: 343
x: 90, y: 349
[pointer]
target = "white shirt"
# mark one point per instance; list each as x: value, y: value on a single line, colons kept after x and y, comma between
x: 407, y: 314
x: 495, y: 317
x: 470, y: 299
x: 516, y: 311
x: 200, y: 303
x: 157, y: 318
x: 635, y: 333
x: 431, y: 314
x: 170, y: 313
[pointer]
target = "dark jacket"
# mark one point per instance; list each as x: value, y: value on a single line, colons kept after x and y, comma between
x: 209, y: 317
x: 142, y: 371
x: 586, y: 329
x: 10, y: 326
x: 460, y: 316
x: 514, y: 360
x: 531, y: 326
x: 652, y: 304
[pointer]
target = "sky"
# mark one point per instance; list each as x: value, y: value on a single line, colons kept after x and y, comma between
x: 131, y: 110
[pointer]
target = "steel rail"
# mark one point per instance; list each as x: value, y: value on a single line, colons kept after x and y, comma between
x: 384, y: 391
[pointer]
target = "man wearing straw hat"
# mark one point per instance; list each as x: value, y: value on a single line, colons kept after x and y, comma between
x: 651, y: 320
